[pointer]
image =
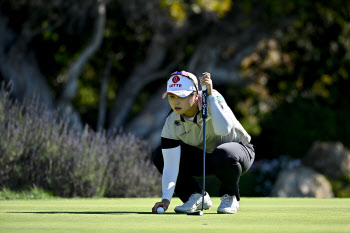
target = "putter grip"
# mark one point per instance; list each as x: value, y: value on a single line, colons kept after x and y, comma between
x: 204, y: 99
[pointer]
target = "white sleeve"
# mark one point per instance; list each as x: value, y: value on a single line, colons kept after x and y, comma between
x: 222, y: 122
x: 171, y: 159
x: 168, y: 128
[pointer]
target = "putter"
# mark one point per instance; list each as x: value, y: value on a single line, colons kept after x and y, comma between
x: 204, y: 116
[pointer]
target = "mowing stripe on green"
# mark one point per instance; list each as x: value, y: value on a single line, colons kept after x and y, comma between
x: 261, y: 215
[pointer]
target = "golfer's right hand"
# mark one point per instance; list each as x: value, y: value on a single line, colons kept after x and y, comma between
x: 164, y: 203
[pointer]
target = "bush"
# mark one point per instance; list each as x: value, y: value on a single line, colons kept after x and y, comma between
x: 293, y: 127
x: 39, y: 148
x: 261, y: 177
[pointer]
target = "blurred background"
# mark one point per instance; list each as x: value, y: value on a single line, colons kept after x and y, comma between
x: 81, y: 84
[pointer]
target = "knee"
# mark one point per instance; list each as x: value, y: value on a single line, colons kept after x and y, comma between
x: 225, y: 156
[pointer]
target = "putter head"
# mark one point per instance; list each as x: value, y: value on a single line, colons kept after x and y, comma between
x: 199, y: 213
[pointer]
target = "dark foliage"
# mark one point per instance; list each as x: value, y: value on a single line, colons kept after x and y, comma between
x: 259, y: 181
x: 299, y: 94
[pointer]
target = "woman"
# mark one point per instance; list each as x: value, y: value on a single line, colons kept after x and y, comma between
x: 229, y: 153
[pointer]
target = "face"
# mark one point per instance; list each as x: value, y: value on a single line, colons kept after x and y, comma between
x: 186, y: 106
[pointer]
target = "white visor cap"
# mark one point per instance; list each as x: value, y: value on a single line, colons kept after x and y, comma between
x: 182, y: 85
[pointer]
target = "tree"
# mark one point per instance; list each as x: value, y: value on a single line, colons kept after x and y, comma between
x: 18, y: 62
x: 301, y: 75
x: 137, y: 44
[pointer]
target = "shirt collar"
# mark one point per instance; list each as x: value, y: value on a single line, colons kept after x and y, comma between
x: 194, y: 120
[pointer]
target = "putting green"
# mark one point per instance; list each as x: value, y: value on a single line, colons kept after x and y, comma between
x: 134, y: 215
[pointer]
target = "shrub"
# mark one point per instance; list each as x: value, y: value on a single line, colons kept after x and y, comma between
x: 37, y: 147
x: 261, y: 177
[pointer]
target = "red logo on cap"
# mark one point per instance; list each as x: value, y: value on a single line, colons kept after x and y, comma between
x: 176, y: 79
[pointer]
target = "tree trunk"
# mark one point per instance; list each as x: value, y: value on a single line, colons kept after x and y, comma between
x: 143, y: 74
x: 18, y: 65
x: 103, y: 94
x: 74, y: 71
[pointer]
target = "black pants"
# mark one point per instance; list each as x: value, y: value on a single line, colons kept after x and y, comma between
x: 228, y: 162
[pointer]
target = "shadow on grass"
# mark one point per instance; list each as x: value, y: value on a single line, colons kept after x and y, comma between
x: 92, y: 212
x: 83, y: 212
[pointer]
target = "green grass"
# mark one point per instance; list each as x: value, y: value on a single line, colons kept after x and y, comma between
x: 134, y: 215
x: 32, y: 193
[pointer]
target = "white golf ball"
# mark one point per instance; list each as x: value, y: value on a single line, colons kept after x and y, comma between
x: 160, y: 210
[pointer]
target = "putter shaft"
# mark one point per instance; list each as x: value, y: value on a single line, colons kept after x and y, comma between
x: 204, y: 116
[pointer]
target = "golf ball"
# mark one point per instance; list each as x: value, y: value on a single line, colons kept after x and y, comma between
x: 160, y: 210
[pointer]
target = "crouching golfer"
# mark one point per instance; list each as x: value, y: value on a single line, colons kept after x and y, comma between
x: 229, y: 153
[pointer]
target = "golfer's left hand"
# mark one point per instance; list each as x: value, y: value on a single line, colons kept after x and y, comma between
x: 206, y: 81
